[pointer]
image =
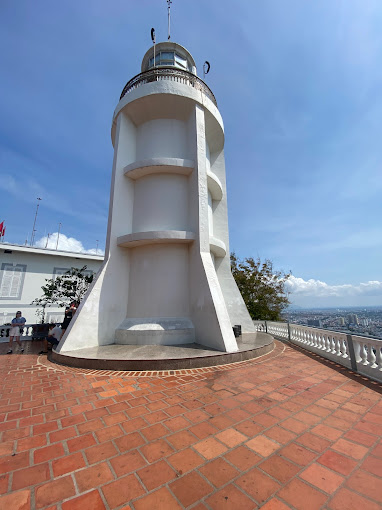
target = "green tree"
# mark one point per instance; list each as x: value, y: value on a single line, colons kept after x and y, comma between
x: 263, y: 289
x: 63, y: 289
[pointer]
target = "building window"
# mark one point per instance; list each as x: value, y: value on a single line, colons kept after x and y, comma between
x: 59, y: 271
x: 12, y: 280
x: 169, y: 58
x: 55, y: 317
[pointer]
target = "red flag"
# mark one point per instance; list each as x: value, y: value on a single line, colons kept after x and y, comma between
x: 1, y: 227
x: 3, y: 233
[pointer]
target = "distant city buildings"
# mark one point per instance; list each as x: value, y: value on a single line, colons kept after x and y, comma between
x: 315, y: 322
x: 352, y: 318
x: 362, y: 321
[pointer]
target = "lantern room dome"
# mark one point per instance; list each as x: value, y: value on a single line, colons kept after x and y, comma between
x: 168, y: 54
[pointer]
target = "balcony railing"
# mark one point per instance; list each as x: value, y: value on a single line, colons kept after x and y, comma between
x: 168, y: 74
x: 28, y: 332
x: 360, y: 354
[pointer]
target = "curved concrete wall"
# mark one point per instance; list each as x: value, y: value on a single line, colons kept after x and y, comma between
x: 163, y: 292
x: 161, y: 203
x: 168, y: 292
x: 162, y: 138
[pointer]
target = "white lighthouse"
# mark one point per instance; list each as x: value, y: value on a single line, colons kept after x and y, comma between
x: 166, y: 279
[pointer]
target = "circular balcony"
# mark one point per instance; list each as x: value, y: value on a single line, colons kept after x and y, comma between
x: 169, y: 74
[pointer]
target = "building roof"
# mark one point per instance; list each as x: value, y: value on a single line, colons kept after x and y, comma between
x: 46, y: 251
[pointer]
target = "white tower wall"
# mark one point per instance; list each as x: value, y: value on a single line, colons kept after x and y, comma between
x: 166, y: 277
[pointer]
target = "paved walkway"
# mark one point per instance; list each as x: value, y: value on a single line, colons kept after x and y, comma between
x: 283, y: 431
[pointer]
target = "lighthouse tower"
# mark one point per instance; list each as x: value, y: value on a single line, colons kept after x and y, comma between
x: 166, y: 279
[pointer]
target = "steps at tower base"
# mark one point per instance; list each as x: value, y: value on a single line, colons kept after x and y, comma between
x: 162, y: 357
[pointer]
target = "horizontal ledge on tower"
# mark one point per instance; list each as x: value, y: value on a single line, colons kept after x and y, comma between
x: 217, y: 247
x: 214, y: 185
x: 159, y: 166
x: 155, y: 237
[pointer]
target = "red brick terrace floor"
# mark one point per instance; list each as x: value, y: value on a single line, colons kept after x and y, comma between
x: 279, y: 432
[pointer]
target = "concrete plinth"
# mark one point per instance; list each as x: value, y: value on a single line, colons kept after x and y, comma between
x: 155, y: 331
x: 155, y: 357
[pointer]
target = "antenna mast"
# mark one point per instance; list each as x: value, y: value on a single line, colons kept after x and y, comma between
x: 169, y: 2
x: 34, y: 223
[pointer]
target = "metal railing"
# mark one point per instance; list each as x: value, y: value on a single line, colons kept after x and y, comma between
x: 168, y: 74
x: 361, y: 354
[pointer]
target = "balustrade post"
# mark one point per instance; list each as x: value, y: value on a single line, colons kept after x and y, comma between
x: 288, y: 331
x: 353, y: 361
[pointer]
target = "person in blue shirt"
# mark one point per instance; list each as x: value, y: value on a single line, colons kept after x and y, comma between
x: 14, y: 333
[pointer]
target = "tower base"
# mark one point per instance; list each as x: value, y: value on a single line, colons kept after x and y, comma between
x: 155, y: 331
x: 160, y: 357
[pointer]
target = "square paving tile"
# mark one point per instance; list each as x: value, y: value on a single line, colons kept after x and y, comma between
x: 210, y: 448
x: 262, y: 445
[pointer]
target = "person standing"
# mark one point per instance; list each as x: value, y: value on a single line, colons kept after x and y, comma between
x: 69, y: 312
x: 14, y: 333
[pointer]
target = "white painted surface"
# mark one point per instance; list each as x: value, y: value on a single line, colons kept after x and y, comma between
x: 40, y: 265
x: 159, y: 281
x: 217, y: 247
x: 156, y: 331
x: 155, y: 237
x: 147, y: 292
x: 214, y: 186
x: 210, y: 215
x: 161, y: 203
x: 162, y: 138
x: 159, y: 166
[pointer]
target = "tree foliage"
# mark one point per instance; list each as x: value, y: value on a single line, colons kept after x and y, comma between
x: 63, y: 289
x: 263, y: 289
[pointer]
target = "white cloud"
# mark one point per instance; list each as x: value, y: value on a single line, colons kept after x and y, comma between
x: 66, y: 244
x: 298, y: 287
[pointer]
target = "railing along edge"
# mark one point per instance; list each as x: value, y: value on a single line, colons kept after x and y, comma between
x: 362, y: 355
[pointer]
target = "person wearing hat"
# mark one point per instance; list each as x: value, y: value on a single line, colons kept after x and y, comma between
x: 14, y: 333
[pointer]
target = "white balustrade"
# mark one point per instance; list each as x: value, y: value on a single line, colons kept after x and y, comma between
x: 332, y: 345
x: 28, y: 332
x: 368, y: 355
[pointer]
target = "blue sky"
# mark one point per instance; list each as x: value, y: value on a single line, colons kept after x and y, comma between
x: 299, y: 86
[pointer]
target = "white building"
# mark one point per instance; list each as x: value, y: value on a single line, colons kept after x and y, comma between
x: 23, y: 271
x: 166, y: 277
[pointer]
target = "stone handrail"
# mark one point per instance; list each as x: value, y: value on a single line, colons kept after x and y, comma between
x: 28, y: 332
x: 169, y: 74
x: 360, y: 354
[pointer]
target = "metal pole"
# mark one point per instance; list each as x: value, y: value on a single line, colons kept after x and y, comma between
x: 169, y: 7
x: 47, y: 240
x: 97, y: 247
x: 34, y: 223
x: 58, y: 234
